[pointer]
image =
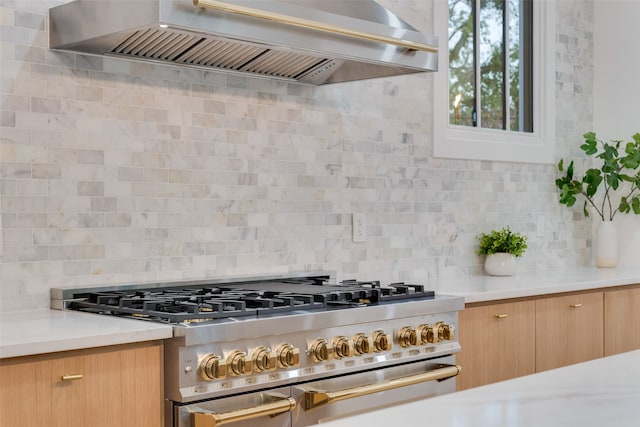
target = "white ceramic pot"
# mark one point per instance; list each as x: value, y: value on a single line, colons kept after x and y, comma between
x: 606, y: 245
x: 500, y: 264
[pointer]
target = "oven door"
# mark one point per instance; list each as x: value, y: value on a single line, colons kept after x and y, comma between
x: 329, y: 399
x: 267, y: 409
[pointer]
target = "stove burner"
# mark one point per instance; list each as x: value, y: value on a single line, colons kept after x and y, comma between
x: 190, y: 304
x: 398, y: 290
x: 168, y: 307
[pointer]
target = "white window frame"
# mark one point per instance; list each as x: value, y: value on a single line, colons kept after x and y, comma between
x: 466, y: 142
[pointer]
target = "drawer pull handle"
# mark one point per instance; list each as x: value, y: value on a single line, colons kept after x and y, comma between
x: 315, y: 398
x: 575, y: 305
x: 211, y: 419
x: 501, y: 316
x: 71, y: 377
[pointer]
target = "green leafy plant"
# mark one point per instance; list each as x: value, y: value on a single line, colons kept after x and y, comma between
x: 615, y: 168
x: 503, y: 240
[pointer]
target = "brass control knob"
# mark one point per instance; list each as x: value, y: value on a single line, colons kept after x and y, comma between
x: 381, y: 341
x: 362, y: 344
x: 342, y: 347
x: 239, y: 363
x: 212, y: 367
x: 445, y: 332
x: 320, y: 350
x: 407, y: 337
x: 287, y: 356
x: 425, y: 333
x: 264, y: 359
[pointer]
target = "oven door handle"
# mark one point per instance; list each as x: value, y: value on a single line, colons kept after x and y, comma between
x: 315, y: 398
x: 213, y: 419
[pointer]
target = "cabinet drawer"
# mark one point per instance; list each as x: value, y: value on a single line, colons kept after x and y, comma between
x: 498, y: 343
x: 621, y: 321
x: 107, y: 386
x: 569, y: 329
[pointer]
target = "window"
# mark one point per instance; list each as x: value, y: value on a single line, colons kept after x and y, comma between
x: 494, y: 88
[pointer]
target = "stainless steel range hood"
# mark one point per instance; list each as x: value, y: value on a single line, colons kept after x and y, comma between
x: 309, y: 41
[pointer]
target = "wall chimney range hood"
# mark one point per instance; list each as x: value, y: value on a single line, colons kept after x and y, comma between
x: 308, y: 41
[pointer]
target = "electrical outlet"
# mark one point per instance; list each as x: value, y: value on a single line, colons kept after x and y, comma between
x: 359, y: 227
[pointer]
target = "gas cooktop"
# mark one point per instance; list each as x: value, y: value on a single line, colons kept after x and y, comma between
x: 242, y: 334
x: 203, y: 302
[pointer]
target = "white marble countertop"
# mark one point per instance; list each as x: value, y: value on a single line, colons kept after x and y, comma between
x: 45, y: 331
x: 526, y: 284
x: 601, y: 392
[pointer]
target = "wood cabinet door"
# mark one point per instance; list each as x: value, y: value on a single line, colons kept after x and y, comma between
x: 103, y: 387
x: 25, y: 393
x: 621, y: 321
x: 68, y: 396
x: 569, y: 329
x: 497, y: 343
x: 142, y: 386
x: 96, y: 398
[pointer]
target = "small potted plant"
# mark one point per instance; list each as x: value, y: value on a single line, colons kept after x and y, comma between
x: 501, y: 248
x: 617, y: 170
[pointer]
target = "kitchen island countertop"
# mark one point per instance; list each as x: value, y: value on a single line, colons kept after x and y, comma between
x: 25, y: 333
x: 601, y: 392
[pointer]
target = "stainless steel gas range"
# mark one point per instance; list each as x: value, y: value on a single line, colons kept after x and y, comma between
x: 290, y: 350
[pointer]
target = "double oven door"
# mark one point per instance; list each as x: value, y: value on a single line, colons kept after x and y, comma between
x: 324, y: 400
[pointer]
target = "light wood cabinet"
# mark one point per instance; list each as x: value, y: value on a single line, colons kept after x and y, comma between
x: 569, y: 329
x: 497, y: 343
x: 545, y: 332
x: 120, y: 386
x: 621, y: 320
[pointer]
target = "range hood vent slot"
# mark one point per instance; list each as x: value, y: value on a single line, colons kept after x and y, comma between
x: 155, y: 44
x: 173, y: 31
x: 171, y: 46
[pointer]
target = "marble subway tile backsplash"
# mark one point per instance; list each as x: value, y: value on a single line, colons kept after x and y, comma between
x: 116, y: 171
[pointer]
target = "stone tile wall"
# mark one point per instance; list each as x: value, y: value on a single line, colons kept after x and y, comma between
x: 116, y: 171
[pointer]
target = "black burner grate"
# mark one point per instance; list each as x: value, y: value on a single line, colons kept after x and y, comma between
x: 200, y: 304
